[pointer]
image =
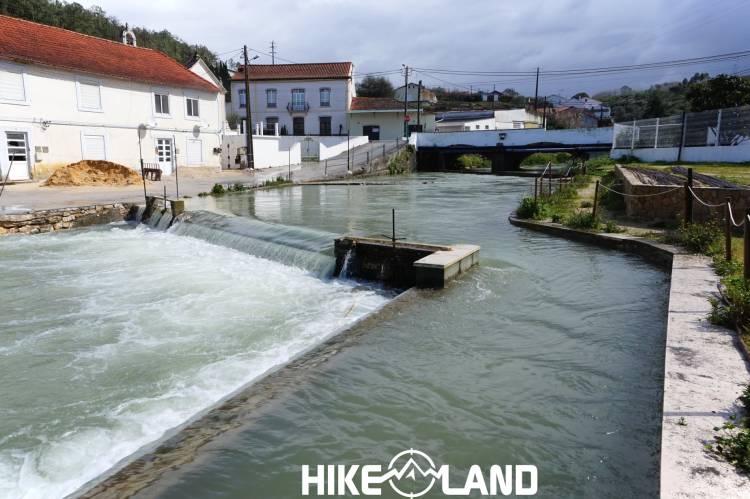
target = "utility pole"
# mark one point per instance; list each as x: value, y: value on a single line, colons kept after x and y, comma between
x: 248, y: 115
x: 536, y: 91
x: 406, y: 100
x: 273, y: 52
x: 419, y: 104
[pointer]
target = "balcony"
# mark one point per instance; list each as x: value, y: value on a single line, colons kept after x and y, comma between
x: 298, y: 107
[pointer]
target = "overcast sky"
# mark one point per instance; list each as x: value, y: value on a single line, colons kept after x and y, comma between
x: 478, y: 35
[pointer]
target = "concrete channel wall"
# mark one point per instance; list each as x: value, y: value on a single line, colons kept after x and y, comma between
x: 705, y: 370
x: 35, y: 222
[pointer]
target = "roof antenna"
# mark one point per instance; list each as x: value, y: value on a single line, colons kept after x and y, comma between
x: 273, y: 52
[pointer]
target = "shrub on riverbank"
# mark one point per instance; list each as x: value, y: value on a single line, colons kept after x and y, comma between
x: 401, y: 162
x: 542, y: 158
x: 471, y: 161
x: 733, y: 440
x: 584, y: 220
x: 530, y: 208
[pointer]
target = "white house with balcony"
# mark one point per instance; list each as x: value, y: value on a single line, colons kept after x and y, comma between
x: 298, y: 99
x: 65, y: 97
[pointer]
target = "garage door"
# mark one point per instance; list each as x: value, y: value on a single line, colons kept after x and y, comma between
x: 194, y: 152
x: 94, y: 147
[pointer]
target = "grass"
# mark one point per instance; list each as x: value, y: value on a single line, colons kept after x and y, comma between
x: 732, y: 441
x: 220, y: 190
x: 472, y: 161
x: 401, y: 162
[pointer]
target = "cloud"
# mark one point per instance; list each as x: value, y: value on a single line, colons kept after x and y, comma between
x: 483, y: 35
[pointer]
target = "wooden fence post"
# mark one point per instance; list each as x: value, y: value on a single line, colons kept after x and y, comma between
x: 689, y: 197
x: 728, y: 230
x: 536, y: 184
x: 596, y: 195
x: 746, y: 255
x: 550, y: 178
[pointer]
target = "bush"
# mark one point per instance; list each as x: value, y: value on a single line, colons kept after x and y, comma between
x: 611, y: 200
x: 530, y: 208
x: 471, y: 161
x: 612, y: 228
x: 700, y: 237
x: 217, y: 190
x: 542, y: 158
x: 733, y: 441
x: 582, y: 220
x: 586, y: 204
x: 401, y: 162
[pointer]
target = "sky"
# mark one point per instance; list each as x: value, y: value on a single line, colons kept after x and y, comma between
x: 464, y: 35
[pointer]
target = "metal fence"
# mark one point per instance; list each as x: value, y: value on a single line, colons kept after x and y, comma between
x: 719, y: 127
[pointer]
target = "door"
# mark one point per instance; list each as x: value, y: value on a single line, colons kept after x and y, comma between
x: 94, y: 147
x: 372, y: 131
x: 325, y: 125
x: 18, y: 156
x: 298, y: 125
x: 165, y: 155
x: 194, y: 152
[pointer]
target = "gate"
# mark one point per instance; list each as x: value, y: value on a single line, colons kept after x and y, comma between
x: 310, y: 149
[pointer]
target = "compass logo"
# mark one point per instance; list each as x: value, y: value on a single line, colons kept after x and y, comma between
x: 412, y: 473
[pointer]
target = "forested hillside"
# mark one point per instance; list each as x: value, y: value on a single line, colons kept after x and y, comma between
x: 96, y: 22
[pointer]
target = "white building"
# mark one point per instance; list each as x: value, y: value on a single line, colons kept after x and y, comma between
x: 66, y: 97
x: 471, y: 121
x: 414, y: 93
x: 382, y: 118
x: 301, y: 99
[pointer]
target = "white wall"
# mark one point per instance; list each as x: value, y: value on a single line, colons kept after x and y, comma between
x: 391, y: 123
x: 461, y: 126
x: 53, y: 118
x: 333, y: 146
x: 269, y: 151
x: 721, y: 154
x: 341, y: 95
x: 490, y: 138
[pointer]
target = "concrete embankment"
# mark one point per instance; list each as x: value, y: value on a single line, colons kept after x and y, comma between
x: 704, y: 369
x: 35, y: 222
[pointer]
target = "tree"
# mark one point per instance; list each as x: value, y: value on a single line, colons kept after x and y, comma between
x: 581, y: 95
x: 655, y: 106
x: 719, y: 92
x: 375, y: 86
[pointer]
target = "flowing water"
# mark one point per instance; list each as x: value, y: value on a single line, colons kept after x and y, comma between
x: 111, y: 337
x: 550, y: 353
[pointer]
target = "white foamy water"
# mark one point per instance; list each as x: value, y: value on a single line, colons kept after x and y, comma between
x: 111, y: 337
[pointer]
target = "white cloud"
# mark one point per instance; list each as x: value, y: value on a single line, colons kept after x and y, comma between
x: 484, y: 35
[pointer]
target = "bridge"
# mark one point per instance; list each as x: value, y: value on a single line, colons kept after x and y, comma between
x: 505, y: 148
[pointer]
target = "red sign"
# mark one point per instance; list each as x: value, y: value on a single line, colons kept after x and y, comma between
x: 407, y: 118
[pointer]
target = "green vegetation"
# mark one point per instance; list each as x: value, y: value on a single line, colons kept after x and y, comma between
x: 401, y: 162
x: 542, y: 158
x: 584, y: 220
x: 278, y: 181
x: 472, y: 161
x: 702, y: 238
x: 558, y: 207
x: 95, y: 22
x: 611, y: 227
x: 732, y: 442
x: 375, y: 86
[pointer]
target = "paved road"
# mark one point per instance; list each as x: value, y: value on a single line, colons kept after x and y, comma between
x: 24, y: 197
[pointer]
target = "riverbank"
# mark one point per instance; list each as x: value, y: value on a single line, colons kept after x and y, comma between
x: 704, y: 369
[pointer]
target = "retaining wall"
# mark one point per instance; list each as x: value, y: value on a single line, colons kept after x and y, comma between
x: 667, y: 202
x: 35, y: 222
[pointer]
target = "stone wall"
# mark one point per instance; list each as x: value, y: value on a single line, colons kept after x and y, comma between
x: 671, y: 204
x: 35, y: 222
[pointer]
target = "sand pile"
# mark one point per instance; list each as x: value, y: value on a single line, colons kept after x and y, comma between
x: 93, y: 172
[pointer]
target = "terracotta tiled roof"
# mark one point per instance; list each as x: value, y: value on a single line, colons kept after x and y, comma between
x: 376, y: 104
x: 33, y: 43
x: 311, y: 71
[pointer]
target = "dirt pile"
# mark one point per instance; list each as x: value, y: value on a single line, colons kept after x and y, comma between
x: 91, y: 172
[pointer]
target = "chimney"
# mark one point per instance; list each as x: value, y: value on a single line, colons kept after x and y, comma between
x: 128, y: 37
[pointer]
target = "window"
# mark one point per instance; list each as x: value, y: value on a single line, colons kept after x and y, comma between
x: 94, y: 146
x: 325, y: 125
x: 270, y: 128
x: 89, y: 96
x: 16, y: 143
x: 271, y: 97
x: 193, y: 110
x: 161, y: 103
x: 298, y: 100
x: 325, y: 97
x: 12, y: 87
x: 241, y: 95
